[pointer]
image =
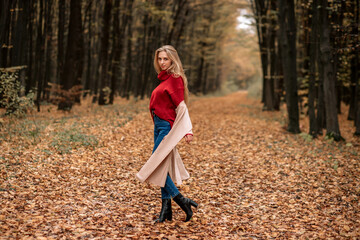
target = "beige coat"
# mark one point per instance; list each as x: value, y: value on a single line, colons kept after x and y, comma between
x: 166, y: 158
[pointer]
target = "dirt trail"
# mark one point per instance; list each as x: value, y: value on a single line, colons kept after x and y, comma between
x: 252, y: 180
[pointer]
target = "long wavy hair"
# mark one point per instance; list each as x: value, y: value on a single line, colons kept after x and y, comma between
x: 176, y: 68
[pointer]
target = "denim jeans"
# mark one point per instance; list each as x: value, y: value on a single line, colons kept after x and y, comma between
x: 161, y: 129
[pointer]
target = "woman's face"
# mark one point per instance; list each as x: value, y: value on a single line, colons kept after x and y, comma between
x: 164, y: 60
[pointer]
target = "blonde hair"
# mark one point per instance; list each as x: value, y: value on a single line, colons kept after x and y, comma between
x: 175, y: 68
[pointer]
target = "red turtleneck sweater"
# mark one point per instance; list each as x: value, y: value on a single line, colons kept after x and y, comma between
x: 167, y: 96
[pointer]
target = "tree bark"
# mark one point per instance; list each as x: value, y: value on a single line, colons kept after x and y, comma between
x: 269, y: 98
x: 73, y: 65
x: 49, y: 48
x: 326, y: 59
x: 354, y: 76
x: 117, y: 47
x: 182, y: 26
x: 40, y: 50
x: 288, y: 49
x: 279, y: 80
x: 179, y: 6
x: 88, y: 77
x: 19, y: 36
x: 260, y: 10
x: 312, y: 47
x: 30, y: 80
x: 61, y: 30
x: 128, y: 70
x: 104, y: 52
x: 5, y: 17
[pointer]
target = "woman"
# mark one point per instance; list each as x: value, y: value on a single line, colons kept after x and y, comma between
x: 171, y: 119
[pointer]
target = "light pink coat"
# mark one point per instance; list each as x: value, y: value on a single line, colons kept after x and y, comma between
x: 166, y: 158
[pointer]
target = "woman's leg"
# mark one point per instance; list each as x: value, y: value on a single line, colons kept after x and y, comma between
x: 169, y: 189
x: 162, y: 128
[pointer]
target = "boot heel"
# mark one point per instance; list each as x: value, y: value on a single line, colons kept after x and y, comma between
x: 194, y: 204
x: 185, y: 204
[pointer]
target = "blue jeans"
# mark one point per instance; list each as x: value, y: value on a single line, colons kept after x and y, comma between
x: 161, y: 129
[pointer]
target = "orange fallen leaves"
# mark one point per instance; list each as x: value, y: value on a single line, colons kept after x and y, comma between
x: 250, y: 178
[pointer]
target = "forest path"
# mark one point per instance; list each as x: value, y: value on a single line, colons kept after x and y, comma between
x: 251, y: 178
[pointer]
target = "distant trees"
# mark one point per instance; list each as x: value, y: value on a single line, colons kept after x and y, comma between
x: 105, y: 48
x: 318, y: 44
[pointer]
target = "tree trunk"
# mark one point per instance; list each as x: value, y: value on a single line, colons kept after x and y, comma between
x: 5, y: 17
x: 288, y: 49
x: 73, y: 65
x: 279, y: 80
x: 269, y: 97
x: 198, y: 82
x: 326, y: 59
x: 261, y: 22
x: 118, y: 40
x: 30, y: 80
x: 49, y: 48
x: 354, y: 76
x: 88, y: 77
x: 104, y: 52
x: 183, y: 22
x: 179, y: 6
x: 39, y: 66
x: 61, y: 30
x: 336, y: 24
x: 19, y: 35
x: 128, y: 70
x: 312, y: 48
x: 357, y: 117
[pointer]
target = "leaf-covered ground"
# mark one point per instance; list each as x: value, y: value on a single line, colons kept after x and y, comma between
x: 72, y: 176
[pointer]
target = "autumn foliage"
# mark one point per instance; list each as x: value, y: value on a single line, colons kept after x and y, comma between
x: 71, y: 175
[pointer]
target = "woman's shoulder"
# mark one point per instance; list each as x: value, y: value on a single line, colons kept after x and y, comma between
x: 176, y: 78
x: 176, y: 75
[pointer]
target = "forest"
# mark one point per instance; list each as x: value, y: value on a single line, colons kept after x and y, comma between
x: 105, y: 48
x: 62, y: 51
x: 274, y: 105
x: 310, y: 50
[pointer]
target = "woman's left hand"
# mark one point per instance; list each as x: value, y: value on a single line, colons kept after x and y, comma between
x: 188, y: 138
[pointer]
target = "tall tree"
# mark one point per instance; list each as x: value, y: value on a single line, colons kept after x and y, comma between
x: 73, y: 65
x: 5, y: 19
x: 88, y: 76
x: 354, y: 76
x: 313, y: 52
x: 288, y: 50
x: 127, y: 86
x: 269, y: 81
x: 104, y: 76
x: 60, y: 44
x: 355, y: 70
x: 49, y: 48
x: 30, y: 79
x: 260, y: 8
x: 328, y: 74
x: 39, y: 53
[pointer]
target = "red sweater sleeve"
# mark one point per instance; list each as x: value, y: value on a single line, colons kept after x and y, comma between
x: 176, y: 90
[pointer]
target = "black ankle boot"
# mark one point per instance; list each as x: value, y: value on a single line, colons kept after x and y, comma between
x: 165, y: 213
x: 185, y: 204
